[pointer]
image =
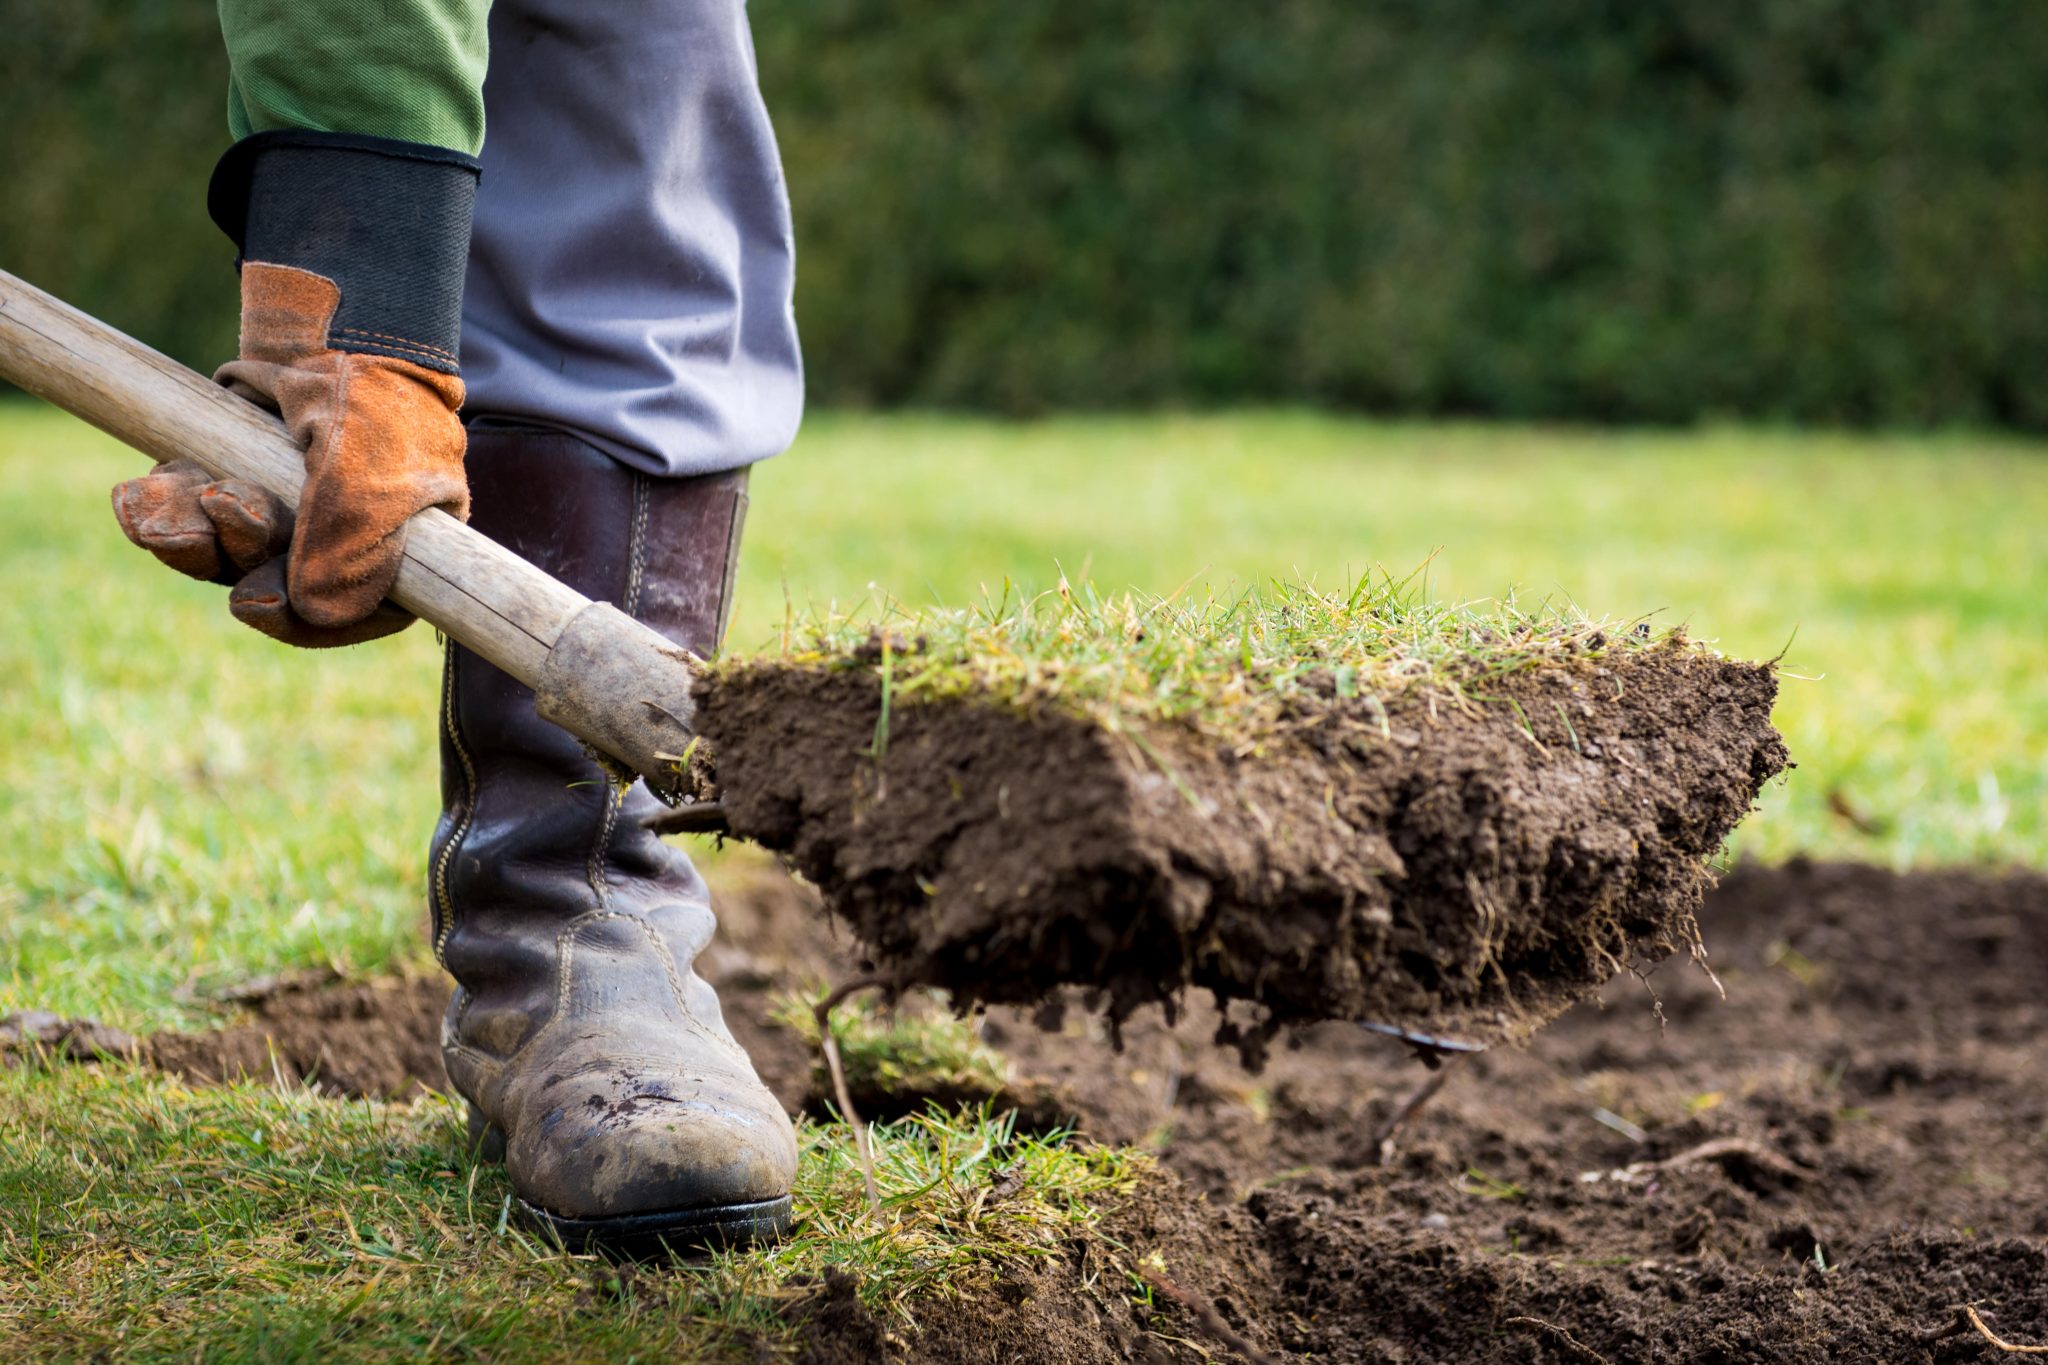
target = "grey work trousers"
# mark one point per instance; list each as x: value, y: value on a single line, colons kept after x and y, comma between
x: 631, y: 267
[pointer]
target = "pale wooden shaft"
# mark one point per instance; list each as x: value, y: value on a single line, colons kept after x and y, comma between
x: 473, y: 589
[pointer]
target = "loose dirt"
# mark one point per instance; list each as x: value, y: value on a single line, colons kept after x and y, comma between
x: 1823, y: 1166
x: 1826, y: 1165
x: 1464, y: 869
x: 377, y: 1038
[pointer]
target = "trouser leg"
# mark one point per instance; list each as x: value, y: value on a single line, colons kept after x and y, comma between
x: 631, y: 266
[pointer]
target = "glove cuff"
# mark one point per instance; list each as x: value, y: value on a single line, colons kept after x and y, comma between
x: 387, y: 221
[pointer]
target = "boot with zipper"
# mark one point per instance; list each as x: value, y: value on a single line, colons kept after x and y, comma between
x: 595, y: 1060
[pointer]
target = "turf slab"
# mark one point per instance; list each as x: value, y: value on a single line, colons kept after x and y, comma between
x: 1456, y: 861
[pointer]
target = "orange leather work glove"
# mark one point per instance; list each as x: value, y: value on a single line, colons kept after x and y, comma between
x: 349, y: 326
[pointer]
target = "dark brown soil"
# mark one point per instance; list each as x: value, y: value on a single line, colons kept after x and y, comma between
x: 350, y: 1039
x: 1823, y: 1166
x: 374, y: 1038
x: 1871, y: 1097
x: 1468, y: 870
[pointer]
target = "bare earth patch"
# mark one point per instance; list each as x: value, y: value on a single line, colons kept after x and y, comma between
x: 1827, y: 1165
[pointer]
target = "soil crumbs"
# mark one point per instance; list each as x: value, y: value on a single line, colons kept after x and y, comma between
x: 1467, y: 865
x: 1828, y: 1165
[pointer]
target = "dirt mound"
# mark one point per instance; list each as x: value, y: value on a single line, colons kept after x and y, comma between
x: 1079, y: 1308
x: 1466, y: 869
x: 374, y: 1038
x: 378, y: 1039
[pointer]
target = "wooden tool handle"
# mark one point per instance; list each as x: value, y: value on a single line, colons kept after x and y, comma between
x: 596, y: 672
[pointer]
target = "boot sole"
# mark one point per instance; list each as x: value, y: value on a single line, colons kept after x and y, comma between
x: 677, y: 1232
x: 642, y: 1236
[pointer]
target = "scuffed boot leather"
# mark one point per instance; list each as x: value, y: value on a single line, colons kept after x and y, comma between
x: 593, y: 1056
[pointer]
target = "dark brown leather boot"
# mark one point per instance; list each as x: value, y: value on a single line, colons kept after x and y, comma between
x: 594, y: 1058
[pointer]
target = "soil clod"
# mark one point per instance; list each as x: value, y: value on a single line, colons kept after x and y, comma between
x: 1467, y: 867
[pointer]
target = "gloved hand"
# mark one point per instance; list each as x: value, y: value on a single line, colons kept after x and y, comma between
x: 236, y: 533
x: 351, y: 305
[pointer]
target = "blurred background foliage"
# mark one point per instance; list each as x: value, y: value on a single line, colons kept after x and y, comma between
x: 1827, y: 211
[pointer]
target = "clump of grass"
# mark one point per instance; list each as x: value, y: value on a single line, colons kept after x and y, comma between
x: 894, y: 1050
x: 1225, y: 663
x: 247, y: 1223
x: 962, y: 1192
x: 1476, y: 1181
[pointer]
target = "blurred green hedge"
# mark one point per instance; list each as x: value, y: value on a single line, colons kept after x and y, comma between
x: 111, y: 117
x: 1820, y: 210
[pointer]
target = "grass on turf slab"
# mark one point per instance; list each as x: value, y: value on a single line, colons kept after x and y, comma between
x: 1225, y: 663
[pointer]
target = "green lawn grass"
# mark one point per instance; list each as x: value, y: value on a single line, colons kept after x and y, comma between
x: 186, y: 804
x: 149, y: 1221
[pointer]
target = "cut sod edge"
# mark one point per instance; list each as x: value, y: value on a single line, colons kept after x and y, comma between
x: 1465, y: 870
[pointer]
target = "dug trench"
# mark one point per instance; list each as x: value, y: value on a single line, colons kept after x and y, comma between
x: 1825, y: 1164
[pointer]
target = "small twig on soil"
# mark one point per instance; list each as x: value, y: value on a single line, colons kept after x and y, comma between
x: 1383, y: 1140
x: 1715, y: 1148
x: 1208, y: 1319
x: 822, y: 1011
x: 1562, y: 1337
x: 1712, y: 1149
x: 1970, y: 1311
